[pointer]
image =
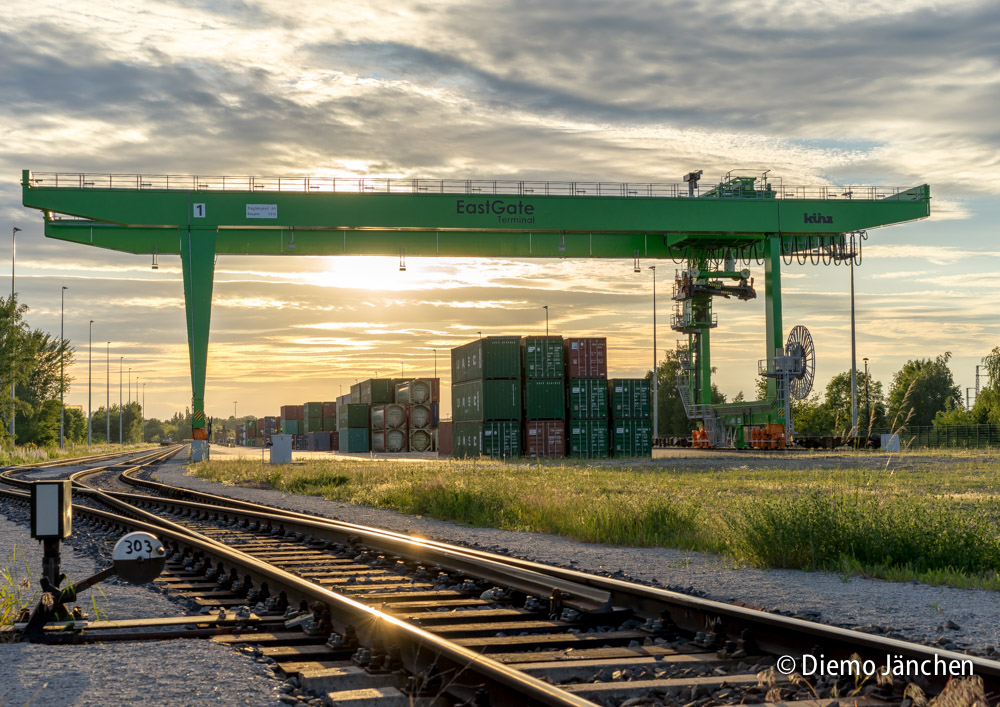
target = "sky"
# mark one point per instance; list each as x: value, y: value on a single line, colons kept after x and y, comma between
x: 817, y: 91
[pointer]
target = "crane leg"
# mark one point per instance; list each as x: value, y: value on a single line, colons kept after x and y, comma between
x: 198, y: 265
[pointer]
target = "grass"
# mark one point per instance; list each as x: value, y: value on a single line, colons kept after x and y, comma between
x: 15, y: 587
x: 927, y: 516
x: 30, y: 454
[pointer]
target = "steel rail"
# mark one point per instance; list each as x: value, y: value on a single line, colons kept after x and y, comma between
x: 772, y: 632
x: 7, y: 474
x: 372, y: 626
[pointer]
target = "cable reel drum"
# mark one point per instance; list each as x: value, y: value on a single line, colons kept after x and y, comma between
x: 802, y: 370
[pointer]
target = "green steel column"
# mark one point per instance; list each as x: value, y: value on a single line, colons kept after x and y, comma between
x: 772, y: 305
x: 702, y: 312
x: 198, y: 263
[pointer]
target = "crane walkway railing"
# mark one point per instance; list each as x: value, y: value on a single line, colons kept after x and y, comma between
x: 470, y: 187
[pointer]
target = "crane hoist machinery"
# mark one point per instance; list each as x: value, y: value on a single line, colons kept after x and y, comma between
x: 714, y: 235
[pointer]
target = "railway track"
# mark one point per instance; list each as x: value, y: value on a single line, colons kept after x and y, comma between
x: 343, y: 607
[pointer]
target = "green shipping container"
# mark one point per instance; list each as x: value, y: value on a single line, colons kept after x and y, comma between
x: 492, y: 357
x: 314, y: 410
x: 353, y: 415
x: 311, y: 424
x: 543, y: 357
x: 354, y: 440
x: 486, y: 400
x: 291, y: 427
x: 587, y: 398
x: 377, y: 391
x: 633, y: 438
x: 499, y: 440
x: 588, y: 439
x: 355, y: 394
x: 329, y: 424
x: 544, y: 399
x: 630, y: 398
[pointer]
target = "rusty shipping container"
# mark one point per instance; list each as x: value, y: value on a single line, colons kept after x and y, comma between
x: 291, y: 412
x: 329, y: 409
x: 445, y: 443
x: 586, y: 358
x: 545, y: 439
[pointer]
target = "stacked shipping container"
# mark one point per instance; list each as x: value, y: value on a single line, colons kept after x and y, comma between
x: 544, y: 396
x: 587, y: 398
x: 631, y: 428
x: 486, y: 397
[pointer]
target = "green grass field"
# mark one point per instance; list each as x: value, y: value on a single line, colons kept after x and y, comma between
x: 930, y: 516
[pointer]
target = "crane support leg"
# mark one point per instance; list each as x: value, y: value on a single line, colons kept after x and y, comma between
x: 772, y: 305
x: 704, y: 313
x: 198, y: 264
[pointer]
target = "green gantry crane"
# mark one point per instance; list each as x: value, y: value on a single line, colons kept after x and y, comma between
x: 742, y: 219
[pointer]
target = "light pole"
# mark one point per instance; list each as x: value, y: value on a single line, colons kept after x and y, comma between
x: 107, y: 386
x: 546, y: 308
x: 13, y: 258
x: 868, y: 410
x: 129, y: 385
x: 62, y: 377
x: 656, y: 384
x: 435, y: 362
x: 144, y: 398
x: 143, y: 433
x: 121, y: 361
x: 90, y: 380
x: 854, y: 361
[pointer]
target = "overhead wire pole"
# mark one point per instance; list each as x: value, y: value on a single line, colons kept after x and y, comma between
x: 121, y: 362
x: 854, y: 360
x: 90, y: 381
x: 62, y: 376
x: 107, y: 404
x: 13, y: 258
x: 655, y: 381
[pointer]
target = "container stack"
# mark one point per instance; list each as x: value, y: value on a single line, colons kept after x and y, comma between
x: 353, y: 424
x: 291, y: 419
x: 587, y: 398
x: 329, y: 417
x: 631, y: 427
x: 486, y: 397
x: 388, y: 426
x: 421, y: 397
x: 312, y: 418
x: 544, y: 396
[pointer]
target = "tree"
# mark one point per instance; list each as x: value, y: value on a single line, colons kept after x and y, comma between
x: 838, y: 403
x: 920, y: 389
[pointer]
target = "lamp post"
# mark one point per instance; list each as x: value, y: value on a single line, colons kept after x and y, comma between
x: 90, y: 380
x: 129, y: 385
x: 854, y: 361
x: 107, y: 385
x: 62, y: 377
x: 144, y: 398
x: 121, y: 361
x: 435, y: 362
x: 868, y: 412
x: 656, y: 412
x: 546, y: 308
x: 143, y: 411
x: 13, y: 258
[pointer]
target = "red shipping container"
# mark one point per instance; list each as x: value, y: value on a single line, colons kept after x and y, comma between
x: 545, y: 438
x: 335, y: 442
x: 329, y: 409
x: 291, y: 412
x: 260, y: 424
x: 446, y: 446
x: 586, y: 358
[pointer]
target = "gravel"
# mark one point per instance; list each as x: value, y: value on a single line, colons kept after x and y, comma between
x: 916, y: 612
x: 174, y: 672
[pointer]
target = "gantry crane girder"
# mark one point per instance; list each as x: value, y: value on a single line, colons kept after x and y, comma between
x: 199, y: 218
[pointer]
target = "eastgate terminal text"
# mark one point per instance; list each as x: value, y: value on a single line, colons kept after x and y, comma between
x: 505, y: 211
